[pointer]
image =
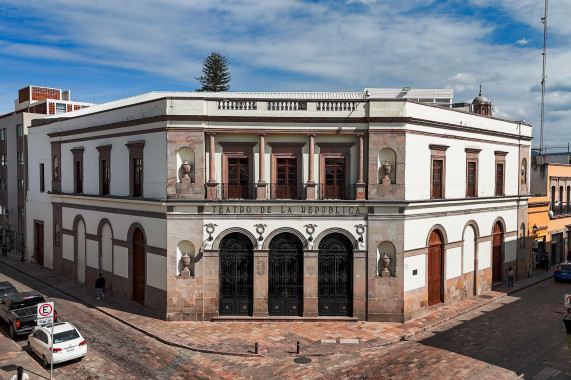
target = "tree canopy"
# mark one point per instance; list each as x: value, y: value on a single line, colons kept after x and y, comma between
x: 216, y: 75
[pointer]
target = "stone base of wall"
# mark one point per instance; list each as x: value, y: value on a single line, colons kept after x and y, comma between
x: 415, y: 303
x: 455, y: 289
x: 484, y: 281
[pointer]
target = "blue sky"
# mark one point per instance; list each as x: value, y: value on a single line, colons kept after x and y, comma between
x: 104, y: 50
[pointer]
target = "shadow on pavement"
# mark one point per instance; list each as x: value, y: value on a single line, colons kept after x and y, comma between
x: 524, y: 333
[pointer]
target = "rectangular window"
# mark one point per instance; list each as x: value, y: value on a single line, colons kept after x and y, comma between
x: 499, y: 179
x: 3, y: 184
x: 79, y: 177
x: 238, y: 178
x: 137, y: 177
x: 286, y: 178
x: 437, y: 180
x: 471, y: 190
x: 3, y: 134
x: 105, y: 177
x: 334, y: 186
x: 20, y: 158
x: 3, y: 159
x: 20, y: 130
x: 42, y: 181
x: 60, y: 108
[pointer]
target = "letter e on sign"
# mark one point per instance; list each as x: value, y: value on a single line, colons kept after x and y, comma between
x: 45, y: 310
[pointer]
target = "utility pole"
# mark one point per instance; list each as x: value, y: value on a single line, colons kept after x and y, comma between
x: 544, y: 53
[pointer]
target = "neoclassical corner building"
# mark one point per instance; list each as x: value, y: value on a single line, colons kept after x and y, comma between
x: 209, y: 206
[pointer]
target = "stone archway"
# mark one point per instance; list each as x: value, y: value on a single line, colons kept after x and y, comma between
x: 435, y: 268
x: 335, y: 276
x: 236, y: 275
x: 285, y: 276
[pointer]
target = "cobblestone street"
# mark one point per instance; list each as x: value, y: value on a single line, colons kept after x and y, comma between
x: 503, y: 338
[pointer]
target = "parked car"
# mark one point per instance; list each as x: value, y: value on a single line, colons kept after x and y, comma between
x: 19, y: 311
x: 6, y: 288
x: 68, y: 343
x: 562, y: 271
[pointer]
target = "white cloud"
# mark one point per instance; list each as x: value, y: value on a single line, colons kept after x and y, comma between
x: 334, y: 45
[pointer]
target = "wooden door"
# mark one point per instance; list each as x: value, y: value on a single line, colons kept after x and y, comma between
x: 39, y: 240
x: 497, y: 253
x: 138, y: 266
x: 435, y: 288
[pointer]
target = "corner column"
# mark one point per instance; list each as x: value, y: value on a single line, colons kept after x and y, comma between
x: 261, y: 187
x: 311, y: 170
x: 310, y: 296
x: 261, y: 283
x: 211, y: 184
x: 360, y: 185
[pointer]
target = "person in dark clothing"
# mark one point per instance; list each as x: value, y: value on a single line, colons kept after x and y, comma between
x: 4, y: 250
x: 100, y: 285
x: 546, y: 259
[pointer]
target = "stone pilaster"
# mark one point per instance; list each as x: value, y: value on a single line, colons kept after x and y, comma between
x: 310, y: 308
x: 261, y: 283
x: 359, y: 284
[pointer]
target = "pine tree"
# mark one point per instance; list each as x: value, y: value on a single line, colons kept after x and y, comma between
x: 216, y: 76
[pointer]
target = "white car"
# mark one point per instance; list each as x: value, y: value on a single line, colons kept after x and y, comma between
x: 68, y: 343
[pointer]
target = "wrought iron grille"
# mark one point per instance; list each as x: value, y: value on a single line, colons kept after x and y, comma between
x: 285, y: 276
x: 335, y: 276
x: 236, y: 275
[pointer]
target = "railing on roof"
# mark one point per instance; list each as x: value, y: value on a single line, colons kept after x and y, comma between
x: 245, y: 105
x: 336, y: 106
x: 280, y: 105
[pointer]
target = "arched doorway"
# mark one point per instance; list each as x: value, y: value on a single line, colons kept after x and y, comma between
x: 435, y: 269
x: 236, y: 273
x: 285, y: 276
x: 335, y: 276
x: 138, y: 266
x: 80, y: 252
x: 497, y: 252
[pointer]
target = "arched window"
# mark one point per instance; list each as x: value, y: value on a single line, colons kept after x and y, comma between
x: 560, y: 194
x: 57, y: 234
x: 523, y: 171
x: 552, y: 197
x: 386, y: 166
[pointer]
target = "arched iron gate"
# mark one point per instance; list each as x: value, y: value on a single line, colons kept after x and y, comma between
x: 285, y: 276
x: 335, y: 276
x: 236, y: 275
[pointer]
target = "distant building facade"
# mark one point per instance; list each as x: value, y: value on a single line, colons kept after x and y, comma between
x: 33, y: 102
x: 280, y: 205
x: 549, y: 211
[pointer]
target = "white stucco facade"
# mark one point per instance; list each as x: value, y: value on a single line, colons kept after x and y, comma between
x: 301, y: 176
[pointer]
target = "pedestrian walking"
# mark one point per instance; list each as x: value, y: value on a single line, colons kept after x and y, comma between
x: 4, y: 250
x: 100, y: 285
x: 546, y: 259
x: 20, y: 374
x: 510, y: 277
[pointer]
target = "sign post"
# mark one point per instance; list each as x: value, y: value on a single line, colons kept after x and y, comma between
x: 45, y: 314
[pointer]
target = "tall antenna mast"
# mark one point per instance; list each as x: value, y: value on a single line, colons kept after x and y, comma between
x: 544, y: 53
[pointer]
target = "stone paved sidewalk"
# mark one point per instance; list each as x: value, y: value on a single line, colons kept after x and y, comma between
x: 275, y: 339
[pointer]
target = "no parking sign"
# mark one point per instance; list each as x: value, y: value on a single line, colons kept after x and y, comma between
x: 45, y: 313
x: 568, y: 301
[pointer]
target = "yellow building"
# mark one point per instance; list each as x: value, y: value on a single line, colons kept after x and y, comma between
x: 549, y: 213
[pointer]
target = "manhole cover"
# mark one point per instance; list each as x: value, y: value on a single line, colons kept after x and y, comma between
x: 302, y: 360
x: 485, y: 296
